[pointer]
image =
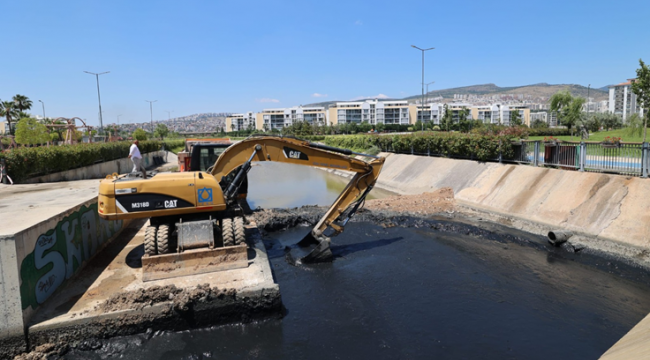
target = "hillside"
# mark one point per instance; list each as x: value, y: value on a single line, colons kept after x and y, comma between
x: 541, y: 92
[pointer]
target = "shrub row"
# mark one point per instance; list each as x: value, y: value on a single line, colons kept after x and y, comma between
x: 26, y: 162
x: 480, y: 147
x: 549, y: 132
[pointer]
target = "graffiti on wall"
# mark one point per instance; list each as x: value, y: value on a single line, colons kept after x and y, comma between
x: 60, y: 252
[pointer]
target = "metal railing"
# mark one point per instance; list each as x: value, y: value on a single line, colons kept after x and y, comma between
x: 625, y: 159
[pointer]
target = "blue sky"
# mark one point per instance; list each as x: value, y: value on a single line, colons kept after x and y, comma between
x: 236, y: 56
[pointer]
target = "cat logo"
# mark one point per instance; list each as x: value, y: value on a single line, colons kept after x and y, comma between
x: 290, y: 153
x: 294, y: 154
x: 170, y: 204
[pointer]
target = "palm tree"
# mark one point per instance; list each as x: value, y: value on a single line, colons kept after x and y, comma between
x: 8, y: 110
x: 22, y: 102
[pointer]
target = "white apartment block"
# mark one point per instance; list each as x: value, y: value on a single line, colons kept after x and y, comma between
x: 239, y: 122
x: 276, y: 119
x: 371, y: 111
x: 430, y: 113
x: 622, y: 101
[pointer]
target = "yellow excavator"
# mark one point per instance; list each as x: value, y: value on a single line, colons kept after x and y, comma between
x: 196, y: 218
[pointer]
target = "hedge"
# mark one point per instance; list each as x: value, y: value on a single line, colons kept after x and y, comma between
x: 25, y: 162
x: 472, y: 146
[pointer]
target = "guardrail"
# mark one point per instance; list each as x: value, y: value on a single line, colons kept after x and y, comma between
x: 631, y: 159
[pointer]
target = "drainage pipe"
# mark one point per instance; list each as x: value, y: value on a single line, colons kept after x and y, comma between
x: 557, y: 237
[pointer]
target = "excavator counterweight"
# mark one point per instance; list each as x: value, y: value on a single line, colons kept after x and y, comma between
x: 199, y: 211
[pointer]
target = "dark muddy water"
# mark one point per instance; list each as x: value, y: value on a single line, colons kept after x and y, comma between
x: 274, y: 185
x: 420, y: 293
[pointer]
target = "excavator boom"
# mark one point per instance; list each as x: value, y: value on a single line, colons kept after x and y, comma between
x: 300, y: 152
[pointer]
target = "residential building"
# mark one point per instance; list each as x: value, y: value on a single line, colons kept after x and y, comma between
x: 4, y: 127
x: 622, y: 101
x: 428, y: 113
x: 371, y: 111
x: 239, y: 122
x: 540, y: 115
x: 488, y: 114
x: 276, y: 119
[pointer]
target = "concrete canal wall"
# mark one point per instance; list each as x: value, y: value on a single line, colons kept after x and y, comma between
x: 97, y: 171
x: 607, y: 212
x: 48, y: 233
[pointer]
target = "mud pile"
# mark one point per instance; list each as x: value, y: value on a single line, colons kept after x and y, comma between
x: 181, y: 299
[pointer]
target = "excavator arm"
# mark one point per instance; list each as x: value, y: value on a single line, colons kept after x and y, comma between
x: 238, y: 159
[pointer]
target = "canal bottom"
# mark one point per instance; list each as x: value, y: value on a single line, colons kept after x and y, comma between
x: 420, y: 293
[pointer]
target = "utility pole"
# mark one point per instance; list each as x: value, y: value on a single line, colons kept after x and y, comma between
x: 151, y: 112
x: 588, y: 99
x: 101, y: 124
x: 169, y: 116
x: 422, y: 107
x: 42, y: 103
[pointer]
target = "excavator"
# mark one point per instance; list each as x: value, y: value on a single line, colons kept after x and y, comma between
x: 196, y: 223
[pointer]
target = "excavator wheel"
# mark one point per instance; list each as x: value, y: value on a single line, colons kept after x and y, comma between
x: 150, y: 241
x: 238, y: 228
x: 162, y: 239
x: 227, y: 232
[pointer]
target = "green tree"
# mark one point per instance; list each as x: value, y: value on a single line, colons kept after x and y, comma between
x: 464, y: 123
x: 22, y: 102
x: 609, y: 120
x: 515, y: 118
x: 31, y: 132
x: 635, y: 125
x: 161, y: 131
x: 567, y: 107
x: 539, y: 124
x: 8, y: 110
x: 447, y: 119
x: 641, y: 87
x: 140, y: 134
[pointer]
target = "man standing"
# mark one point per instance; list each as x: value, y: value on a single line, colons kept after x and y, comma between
x: 134, y: 155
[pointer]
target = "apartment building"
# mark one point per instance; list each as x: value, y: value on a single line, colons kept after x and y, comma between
x: 276, y: 119
x: 622, y: 101
x: 371, y: 111
x: 428, y: 112
x: 238, y: 122
x: 540, y: 115
x: 488, y: 114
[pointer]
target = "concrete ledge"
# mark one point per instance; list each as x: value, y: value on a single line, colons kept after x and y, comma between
x: 93, y: 307
x: 96, y: 171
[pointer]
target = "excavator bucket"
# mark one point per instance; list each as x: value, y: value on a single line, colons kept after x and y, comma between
x: 320, y: 251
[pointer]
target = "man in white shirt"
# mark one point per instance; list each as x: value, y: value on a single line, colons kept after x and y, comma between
x: 134, y: 155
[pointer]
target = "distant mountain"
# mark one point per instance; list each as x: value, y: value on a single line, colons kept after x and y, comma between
x: 605, y: 88
x: 540, y: 91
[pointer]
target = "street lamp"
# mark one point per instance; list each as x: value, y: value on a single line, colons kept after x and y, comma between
x: 118, y: 119
x: 42, y: 103
x: 422, y: 111
x: 101, y: 124
x: 588, y: 101
x: 169, y: 116
x: 151, y: 112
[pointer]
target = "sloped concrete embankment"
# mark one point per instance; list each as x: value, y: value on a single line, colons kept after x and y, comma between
x: 606, y: 212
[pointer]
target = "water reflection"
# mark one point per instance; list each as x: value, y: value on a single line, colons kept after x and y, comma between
x: 274, y: 185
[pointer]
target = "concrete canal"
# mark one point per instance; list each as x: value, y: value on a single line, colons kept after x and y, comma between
x: 403, y: 287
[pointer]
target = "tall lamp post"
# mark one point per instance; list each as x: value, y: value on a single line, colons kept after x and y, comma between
x: 422, y: 111
x: 588, y: 100
x: 118, y: 119
x: 101, y: 124
x: 42, y: 103
x: 151, y: 112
